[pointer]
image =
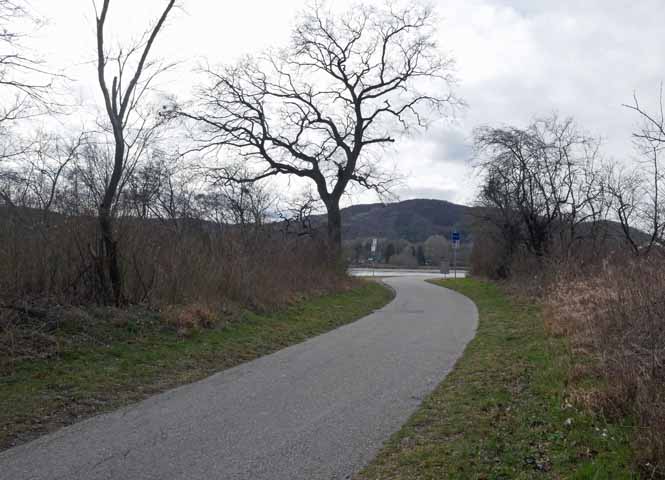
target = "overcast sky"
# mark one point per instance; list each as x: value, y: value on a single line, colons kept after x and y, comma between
x: 516, y: 59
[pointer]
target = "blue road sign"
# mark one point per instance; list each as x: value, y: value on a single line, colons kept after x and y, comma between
x: 456, y: 237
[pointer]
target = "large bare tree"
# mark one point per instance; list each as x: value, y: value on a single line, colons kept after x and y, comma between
x: 317, y: 109
x: 540, y: 182
x: 132, y: 75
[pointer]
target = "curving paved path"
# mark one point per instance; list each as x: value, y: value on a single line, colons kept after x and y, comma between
x: 317, y: 410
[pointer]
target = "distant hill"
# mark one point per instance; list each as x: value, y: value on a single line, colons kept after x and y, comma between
x: 412, y: 220
x: 416, y: 220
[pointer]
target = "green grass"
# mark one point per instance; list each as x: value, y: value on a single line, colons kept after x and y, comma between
x: 502, y: 411
x: 140, y: 357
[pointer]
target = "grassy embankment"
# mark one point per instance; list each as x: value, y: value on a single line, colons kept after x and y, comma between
x: 502, y: 413
x: 108, y: 358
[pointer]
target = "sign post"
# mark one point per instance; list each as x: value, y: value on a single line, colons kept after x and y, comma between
x: 373, y: 254
x: 456, y: 240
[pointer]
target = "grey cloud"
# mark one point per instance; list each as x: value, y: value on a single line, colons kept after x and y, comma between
x: 581, y: 59
x: 452, y: 145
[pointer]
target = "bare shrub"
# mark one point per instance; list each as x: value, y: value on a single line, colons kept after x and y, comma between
x: 161, y: 264
x: 615, y: 315
x: 190, y: 318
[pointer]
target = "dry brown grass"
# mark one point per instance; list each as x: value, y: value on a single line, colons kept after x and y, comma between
x: 192, y: 275
x: 615, y: 316
x: 162, y: 264
x: 189, y: 319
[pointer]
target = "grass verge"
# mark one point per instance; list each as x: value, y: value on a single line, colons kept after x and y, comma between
x: 502, y: 413
x: 141, y: 357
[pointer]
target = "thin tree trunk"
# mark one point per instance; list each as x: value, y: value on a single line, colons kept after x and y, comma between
x: 110, y: 259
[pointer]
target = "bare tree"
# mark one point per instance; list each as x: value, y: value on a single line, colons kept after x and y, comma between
x: 244, y: 202
x: 37, y: 179
x: 316, y: 109
x: 296, y: 215
x: 625, y: 191
x: 650, y: 143
x: 539, y: 182
x: 146, y: 187
x: 24, y: 83
x: 121, y: 102
x: 161, y: 188
x: 22, y: 75
x: 48, y: 163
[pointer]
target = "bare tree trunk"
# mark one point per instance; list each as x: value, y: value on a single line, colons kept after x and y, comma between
x: 109, y: 261
x: 109, y: 254
x: 119, y: 104
x: 334, y: 227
